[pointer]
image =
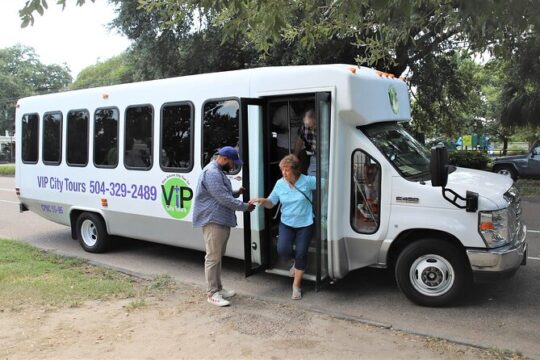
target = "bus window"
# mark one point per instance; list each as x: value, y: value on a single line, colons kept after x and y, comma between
x: 220, y: 127
x: 52, y: 138
x: 138, y: 141
x: 176, y: 137
x: 30, y: 138
x: 366, y: 192
x: 77, y: 137
x: 106, y: 137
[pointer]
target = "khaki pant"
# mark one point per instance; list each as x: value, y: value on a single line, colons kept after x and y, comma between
x: 215, y: 240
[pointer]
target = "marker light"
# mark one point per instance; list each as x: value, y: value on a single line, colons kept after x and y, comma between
x: 104, y: 96
x: 104, y: 202
x: 18, y: 191
x: 353, y: 70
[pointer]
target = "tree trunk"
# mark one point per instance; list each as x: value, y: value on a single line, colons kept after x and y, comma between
x: 505, y: 146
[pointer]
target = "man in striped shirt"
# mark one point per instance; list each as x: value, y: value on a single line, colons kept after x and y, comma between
x: 214, y: 211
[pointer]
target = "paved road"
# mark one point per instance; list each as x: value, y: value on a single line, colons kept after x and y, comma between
x: 502, y: 315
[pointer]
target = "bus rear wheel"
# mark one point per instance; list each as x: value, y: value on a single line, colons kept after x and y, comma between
x: 92, y: 233
x: 432, y: 272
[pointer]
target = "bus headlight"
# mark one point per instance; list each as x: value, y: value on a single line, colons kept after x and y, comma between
x: 493, y: 227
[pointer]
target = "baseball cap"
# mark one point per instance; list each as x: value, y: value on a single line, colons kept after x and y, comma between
x: 231, y: 153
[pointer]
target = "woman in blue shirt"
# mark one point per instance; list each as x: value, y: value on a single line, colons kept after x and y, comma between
x: 294, y: 192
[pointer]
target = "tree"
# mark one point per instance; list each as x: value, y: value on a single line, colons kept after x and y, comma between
x: 116, y: 70
x: 417, y: 38
x: 448, y: 98
x: 521, y: 88
x: 23, y: 74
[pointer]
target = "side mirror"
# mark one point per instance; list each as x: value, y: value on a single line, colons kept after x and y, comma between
x: 439, y: 166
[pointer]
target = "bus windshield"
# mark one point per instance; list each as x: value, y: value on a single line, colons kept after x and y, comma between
x: 407, y: 155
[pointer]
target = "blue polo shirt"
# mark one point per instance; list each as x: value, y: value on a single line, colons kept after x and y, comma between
x: 296, y: 210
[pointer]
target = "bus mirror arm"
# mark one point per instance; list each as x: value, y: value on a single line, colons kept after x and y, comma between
x: 439, y: 177
x: 470, y: 199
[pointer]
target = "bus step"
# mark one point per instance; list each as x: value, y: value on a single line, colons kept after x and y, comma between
x: 275, y: 271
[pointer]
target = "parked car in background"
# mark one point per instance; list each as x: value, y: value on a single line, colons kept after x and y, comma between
x: 520, y: 165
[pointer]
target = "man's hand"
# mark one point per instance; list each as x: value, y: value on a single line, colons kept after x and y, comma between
x: 241, y: 190
x: 251, y: 207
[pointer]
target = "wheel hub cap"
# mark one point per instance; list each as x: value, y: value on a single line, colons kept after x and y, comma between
x: 432, y: 275
x: 89, y: 233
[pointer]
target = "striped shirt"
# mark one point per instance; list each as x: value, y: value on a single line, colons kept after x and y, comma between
x: 309, y: 137
x: 215, y: 202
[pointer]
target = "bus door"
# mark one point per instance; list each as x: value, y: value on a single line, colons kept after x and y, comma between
x: 285, y: 118
x: 323, y: 112
x: 253, y: 180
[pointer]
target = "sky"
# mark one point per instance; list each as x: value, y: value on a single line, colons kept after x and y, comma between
x: 77, y: 36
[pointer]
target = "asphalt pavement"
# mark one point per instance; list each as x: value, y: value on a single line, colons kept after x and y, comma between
x: 503, y: 314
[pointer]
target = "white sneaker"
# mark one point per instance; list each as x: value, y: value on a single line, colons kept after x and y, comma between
x: 218, y: 300
x: 227, y: 294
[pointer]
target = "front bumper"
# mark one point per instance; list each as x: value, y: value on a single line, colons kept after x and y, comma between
x: 500, y: 261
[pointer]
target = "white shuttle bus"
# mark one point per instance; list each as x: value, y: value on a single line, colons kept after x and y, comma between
x: 124, y: 161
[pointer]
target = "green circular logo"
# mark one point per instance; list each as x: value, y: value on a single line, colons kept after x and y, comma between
x: 176, y: 196
x: 392, y: 96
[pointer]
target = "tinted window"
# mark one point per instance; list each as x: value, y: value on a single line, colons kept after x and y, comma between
x: 106, y: 137
x: 77, y: 137
x: 176, y: 135
x: 52, y: 137
x: 138, y: 143
x: 30, y: 138
x: 220, y: 127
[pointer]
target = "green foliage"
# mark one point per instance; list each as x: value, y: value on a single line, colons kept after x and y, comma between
x: 116, y: 70
x: 448, y: 98
x: 469, y: 159
x: 27, y: 13
x: 419, y: 38
x: 22, y: 74
x: 7, y: 170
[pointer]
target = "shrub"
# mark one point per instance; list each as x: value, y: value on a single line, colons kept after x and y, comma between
x: 469, y: 159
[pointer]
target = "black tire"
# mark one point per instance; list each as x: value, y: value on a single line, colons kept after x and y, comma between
x: 444, y: 268
x: 507, y: 170
x: 92, y: 233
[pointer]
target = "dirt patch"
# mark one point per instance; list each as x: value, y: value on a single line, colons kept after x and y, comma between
x: 183, y: 325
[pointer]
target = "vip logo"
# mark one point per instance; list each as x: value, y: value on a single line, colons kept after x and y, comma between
x: 176, y: 196
x: 393, y: 97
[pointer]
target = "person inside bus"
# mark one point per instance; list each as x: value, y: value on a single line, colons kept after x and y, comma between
x: 214, y: 211
x: 370, y: 184
x: 307, y: 139
x: 294, y: 192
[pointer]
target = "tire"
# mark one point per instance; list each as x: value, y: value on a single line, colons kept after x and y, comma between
x: 92, y: 233
x: 444, y: 268
x: 507, y: 170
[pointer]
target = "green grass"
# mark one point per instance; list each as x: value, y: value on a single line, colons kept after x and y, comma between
x: 529, y: 187
x: 7, y: 169
x: 29, y: 276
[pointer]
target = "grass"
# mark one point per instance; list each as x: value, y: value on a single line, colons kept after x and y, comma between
x: 529, y: 187
x: 29, y: 276
x: 7, y: 169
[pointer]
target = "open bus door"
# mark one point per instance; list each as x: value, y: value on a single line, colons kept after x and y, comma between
x: 253, y: 145
x: 323, y: 113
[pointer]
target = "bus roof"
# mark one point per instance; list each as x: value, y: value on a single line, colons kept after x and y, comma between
x: 362, y: 95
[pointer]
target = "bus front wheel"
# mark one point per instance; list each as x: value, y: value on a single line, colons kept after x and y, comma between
x: 92, y: 233
x: 432, y: 272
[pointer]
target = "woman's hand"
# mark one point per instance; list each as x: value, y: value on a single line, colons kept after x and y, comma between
x: 257, y: 201
x: 262, y: 201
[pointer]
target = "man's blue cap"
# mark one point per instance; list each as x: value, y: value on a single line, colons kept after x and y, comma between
x: 231, y: 153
